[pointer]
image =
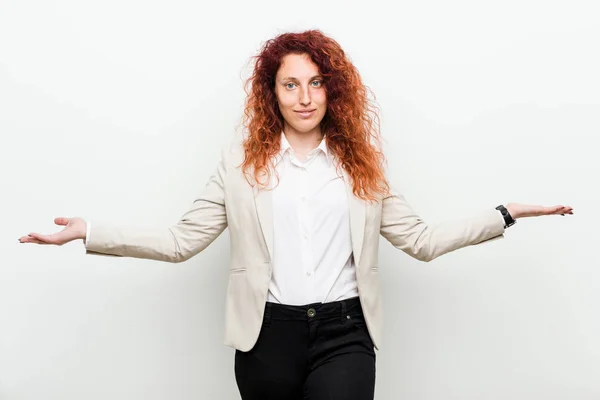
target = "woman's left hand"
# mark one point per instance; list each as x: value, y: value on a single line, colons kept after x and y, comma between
x: 518, y: 210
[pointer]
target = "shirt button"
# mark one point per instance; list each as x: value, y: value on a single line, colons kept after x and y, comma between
x: 308, y: 274
x: 303, y: 198
x: 305, y: 236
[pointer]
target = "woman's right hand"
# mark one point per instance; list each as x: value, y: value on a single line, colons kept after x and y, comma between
x: 75, y: 228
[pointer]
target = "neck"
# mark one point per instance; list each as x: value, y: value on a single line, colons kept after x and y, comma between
x: 303, y: 142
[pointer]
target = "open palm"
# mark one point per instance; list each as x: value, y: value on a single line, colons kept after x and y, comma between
x: 75, y: 228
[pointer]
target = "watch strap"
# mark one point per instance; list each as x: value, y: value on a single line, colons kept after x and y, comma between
x: 508, y: 219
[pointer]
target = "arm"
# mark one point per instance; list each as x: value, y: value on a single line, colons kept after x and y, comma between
x: 404, y: 229
x: 197, y: 228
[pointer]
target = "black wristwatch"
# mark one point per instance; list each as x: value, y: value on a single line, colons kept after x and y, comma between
x: 508, y: 219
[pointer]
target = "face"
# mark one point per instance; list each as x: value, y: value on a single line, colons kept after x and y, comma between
x: 300, y: 94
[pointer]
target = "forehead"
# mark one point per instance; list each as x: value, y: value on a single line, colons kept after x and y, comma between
x: 297, y: 66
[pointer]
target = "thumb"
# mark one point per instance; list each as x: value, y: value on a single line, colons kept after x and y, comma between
x: 62, y: 221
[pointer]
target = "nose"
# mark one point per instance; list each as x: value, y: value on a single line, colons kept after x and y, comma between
x: 304, y: 97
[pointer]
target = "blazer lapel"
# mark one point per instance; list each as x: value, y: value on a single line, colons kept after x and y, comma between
x: 357, y: 218
x: 263, y: 201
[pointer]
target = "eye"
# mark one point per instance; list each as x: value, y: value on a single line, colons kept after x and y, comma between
x: 316, y: 83
x: 290, y: 85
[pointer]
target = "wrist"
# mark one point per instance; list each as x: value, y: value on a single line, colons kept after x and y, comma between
x: 512, y: 211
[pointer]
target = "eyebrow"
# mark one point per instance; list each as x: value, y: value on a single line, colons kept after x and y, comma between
x: 296, y: 79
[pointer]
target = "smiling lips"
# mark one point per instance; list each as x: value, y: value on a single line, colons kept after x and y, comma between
x: 305, y: 113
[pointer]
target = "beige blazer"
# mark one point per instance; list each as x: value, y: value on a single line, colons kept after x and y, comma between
x: 229, y: 201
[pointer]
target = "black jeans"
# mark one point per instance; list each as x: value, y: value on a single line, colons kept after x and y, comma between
x: 314, y: 352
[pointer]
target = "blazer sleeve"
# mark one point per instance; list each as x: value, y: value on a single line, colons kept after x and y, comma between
x: 205, y: 220
x: 404, y: 229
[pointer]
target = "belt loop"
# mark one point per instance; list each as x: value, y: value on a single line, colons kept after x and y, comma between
x: 343, y: 311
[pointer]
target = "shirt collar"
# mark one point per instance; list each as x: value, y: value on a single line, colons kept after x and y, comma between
x: 285, y: 146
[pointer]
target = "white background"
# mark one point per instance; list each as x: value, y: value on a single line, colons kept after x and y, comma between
x: 118, y: 110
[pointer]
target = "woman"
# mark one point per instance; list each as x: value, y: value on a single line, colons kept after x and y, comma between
x: 305, y: 198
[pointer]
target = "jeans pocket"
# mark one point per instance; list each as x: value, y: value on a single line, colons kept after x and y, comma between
x: 357, y: 328
x: 357, y: 321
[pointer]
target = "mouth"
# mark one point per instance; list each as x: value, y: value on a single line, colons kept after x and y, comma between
x: 305, y: 113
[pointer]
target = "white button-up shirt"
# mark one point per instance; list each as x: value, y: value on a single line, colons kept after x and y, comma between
x: 312, y: 249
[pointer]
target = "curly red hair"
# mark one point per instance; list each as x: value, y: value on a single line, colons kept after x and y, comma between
x: 351, y: 123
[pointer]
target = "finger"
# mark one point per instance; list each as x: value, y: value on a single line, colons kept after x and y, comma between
x: 61, y: 221
x: 56, y: 238
x: 566, y: 210
x: 29, y: 239
x: 39, y: 237
x: 34, y: 241
x: 24, y: 239
x: 558, y: 210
